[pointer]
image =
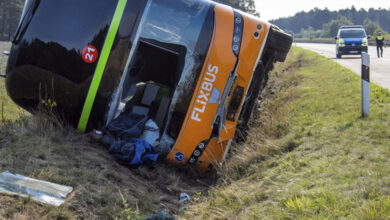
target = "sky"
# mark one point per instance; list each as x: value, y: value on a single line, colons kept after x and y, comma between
x: 273, y: 9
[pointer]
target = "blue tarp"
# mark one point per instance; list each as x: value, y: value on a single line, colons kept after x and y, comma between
x: 128, y: 148
x: 134, y: 152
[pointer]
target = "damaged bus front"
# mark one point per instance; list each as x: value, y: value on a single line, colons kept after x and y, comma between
x: 193, y: 67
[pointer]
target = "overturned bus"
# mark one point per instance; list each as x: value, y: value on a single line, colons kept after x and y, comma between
x: 193, y: 66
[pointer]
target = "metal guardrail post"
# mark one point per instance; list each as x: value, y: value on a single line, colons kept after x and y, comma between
x: 365, y: 84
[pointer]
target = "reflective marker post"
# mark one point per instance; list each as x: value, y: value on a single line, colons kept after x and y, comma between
x: 365, y: 84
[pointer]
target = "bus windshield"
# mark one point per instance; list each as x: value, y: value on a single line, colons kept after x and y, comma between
x: 172, y: 42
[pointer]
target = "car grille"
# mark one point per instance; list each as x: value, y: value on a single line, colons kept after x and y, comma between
x: 352, y: 44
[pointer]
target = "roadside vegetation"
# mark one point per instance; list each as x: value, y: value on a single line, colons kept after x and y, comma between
x: 10, y: 12
x: 329, y: 30
x: 8, y: 109
x: 323, y: 23
x: 310, y: 155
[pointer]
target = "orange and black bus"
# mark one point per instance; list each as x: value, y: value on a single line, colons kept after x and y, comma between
x: 194, y: 66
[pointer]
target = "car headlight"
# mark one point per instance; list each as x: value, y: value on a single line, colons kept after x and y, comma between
x: 365, y: 42
x: 341, y: 43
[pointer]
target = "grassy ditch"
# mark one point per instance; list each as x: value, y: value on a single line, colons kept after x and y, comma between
x: 103, y: 189
x: 310, y: 154
x: 8, y: 109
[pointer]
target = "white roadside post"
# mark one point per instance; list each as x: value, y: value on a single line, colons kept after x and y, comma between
x: 365, y: 84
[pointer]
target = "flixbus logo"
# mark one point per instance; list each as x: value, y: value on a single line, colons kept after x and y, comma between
x: 204, y: 93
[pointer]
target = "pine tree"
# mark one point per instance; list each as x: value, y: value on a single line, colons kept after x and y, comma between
x: 10, y: 12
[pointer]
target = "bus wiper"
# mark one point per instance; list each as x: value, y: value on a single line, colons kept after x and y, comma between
x: 30, y: 11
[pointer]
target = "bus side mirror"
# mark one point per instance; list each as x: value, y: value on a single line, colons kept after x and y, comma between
x: 369, y: 36
x: 336, y: 38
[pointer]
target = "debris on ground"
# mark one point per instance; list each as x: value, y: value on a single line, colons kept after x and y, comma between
x: 134, y: 152
x: 151, y: 133
x: 163, y: 215
x: 42, y: 191
x: 136, y: 137
x: 184, y: 197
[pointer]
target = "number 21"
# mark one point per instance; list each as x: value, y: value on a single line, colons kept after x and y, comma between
x: 88, y: 55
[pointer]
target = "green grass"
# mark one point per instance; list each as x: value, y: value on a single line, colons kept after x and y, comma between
x: 310, y: 154
x: 8, y: 109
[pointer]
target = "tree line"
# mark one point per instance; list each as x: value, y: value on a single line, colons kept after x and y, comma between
x: 325, y: 23
x: 10, y: 11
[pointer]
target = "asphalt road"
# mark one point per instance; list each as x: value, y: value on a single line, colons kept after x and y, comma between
x: 380, y: 67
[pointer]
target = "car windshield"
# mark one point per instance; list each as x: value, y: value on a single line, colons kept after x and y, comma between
x: 352, y: 33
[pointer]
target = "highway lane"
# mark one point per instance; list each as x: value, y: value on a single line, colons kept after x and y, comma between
x: 380, y: 67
